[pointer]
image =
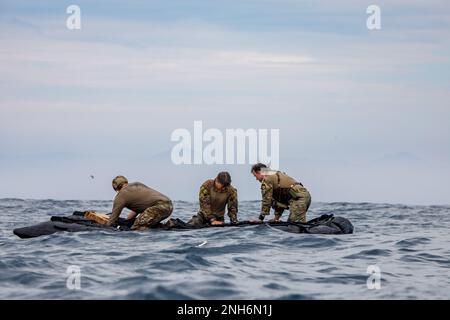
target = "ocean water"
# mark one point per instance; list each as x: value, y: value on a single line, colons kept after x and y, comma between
x: 409, y: 244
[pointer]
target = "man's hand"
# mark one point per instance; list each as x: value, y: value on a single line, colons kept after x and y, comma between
x: 216, y: 222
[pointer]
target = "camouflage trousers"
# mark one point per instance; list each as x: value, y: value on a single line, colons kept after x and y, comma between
x: 200, y: 219
x: 299, y: 207
x: 153, y: 215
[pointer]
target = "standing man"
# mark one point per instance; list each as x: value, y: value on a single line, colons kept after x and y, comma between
x: 214, y: 196
x: 150, y: 206
x: 281, y: 192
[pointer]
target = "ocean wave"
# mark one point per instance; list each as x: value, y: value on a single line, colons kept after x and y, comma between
x: 407, y: 243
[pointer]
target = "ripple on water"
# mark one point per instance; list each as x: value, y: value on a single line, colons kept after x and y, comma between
x: 413, y: 242
x: 159, y: 292
x: 426, y: 258
x: 370, y: 253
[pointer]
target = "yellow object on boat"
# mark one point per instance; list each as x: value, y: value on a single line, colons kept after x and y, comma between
x: 98, y: 217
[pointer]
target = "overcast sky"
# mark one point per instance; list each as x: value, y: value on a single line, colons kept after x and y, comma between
x: 364, y: 115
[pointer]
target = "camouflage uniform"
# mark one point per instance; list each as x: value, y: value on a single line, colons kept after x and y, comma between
x: 281, y: 192
x: 213, y: 203
x: 150, y: 205
x: 153, y: 215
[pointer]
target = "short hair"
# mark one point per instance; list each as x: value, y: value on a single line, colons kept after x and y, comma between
x: 224, y: 178
x: 118, y: 182
x: 257, y: 167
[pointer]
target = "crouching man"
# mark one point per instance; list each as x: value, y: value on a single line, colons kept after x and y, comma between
x: 215, y: 195
x: 281, y: 192
x: 149, y: 205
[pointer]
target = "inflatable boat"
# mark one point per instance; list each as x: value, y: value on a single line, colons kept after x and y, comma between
x: 91, y: 221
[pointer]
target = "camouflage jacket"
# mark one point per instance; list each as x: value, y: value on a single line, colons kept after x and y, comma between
x: 213, y: 201
x: 274, y: 190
